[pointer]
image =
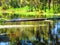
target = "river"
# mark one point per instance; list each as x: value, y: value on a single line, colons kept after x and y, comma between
x: 55, y: 32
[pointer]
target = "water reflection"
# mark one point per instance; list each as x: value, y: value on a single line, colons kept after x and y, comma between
x: 55, y: 32
x: 4, y: 43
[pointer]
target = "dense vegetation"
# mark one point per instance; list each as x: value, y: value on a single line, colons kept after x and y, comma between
x: 29, y: 7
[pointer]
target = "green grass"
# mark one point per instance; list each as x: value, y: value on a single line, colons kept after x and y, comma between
x: 25, y: 11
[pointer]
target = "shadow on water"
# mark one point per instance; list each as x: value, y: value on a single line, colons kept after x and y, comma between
x: 4, y: 39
